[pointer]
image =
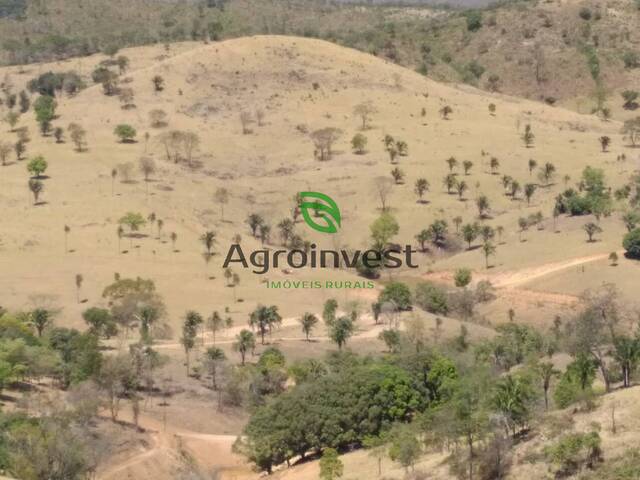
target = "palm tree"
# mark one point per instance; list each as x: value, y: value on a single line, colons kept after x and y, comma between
x: 192, y: 322
x: 627, y: 354
x: 215, y: 323
x: 308, y: 322
x: 461, y: 187
x: 467, y: 165
x: 546, y: 372
x: 208, y: 239
x: 40, y: 319
x: 147, y: 316
x: 532, y: 166
x: 213, y: 357
x: 245, y: 341
x: 174, y: 239
x: 265, y: 318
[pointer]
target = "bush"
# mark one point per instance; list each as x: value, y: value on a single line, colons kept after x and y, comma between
x: 474, y: 20
x: 574, y: 451
x: 432, y: 298
x: 585, y: 13
x: 398, y: 294
x: 631, y: 59
x: 631, y: 243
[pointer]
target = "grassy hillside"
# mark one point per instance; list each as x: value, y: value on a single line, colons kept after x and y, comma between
x: 213, y: 133
x: 577, y: 54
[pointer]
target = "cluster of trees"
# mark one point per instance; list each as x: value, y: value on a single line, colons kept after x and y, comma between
x: 478, y: 399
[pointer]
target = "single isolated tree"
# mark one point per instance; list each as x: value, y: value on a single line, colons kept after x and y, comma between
x: 528, y: 137
x: 37, y: 166
x: 365, y: 111
x: 36, y: 187
x: 308, y: 321
x: 245, y: 342
x: 604, y: 142
x: 126, y: 133
x: 221, y: 196
x: 359, y: 143
x: 420, y: 188
x: 591, y: 229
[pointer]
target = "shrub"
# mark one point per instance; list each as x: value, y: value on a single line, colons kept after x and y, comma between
x: 631, y: 243
x: 432, y: 298
x: 631, y: 59
x: 575, y: 451
x: 474, y: 20
x: 585, y: 13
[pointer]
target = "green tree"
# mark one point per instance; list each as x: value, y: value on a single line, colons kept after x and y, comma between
x: 404, y: 447
x: 383, y: 229
x: 462, y: 277
x: 40, y: 318
x: 470, y: 233
x: 45, y: 108
x: 245, y: 342
x: 308, y: 321
x: 391, y: 338
x: 341, y: 330
x: 631, y: 243
x: 627, y: 354
x: 265, y: 319
x: 213, y: 357
x: 37, y: 166
x: 359, y: 143
x: 126, y: 133
x: 190, y: 326
x: 100, y: 322
x: 396, y: 293
x: 331, y: 466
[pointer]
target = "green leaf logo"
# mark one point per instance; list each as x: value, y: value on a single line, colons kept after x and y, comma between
x: 323, y: 208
